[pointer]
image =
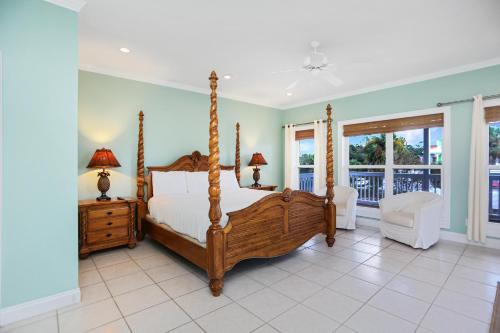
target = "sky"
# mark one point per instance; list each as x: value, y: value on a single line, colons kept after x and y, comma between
x: 413, y: 137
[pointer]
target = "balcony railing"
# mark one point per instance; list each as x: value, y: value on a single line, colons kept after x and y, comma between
x: 494, y: 196
x: 371, y: 185
x: 306, y: 181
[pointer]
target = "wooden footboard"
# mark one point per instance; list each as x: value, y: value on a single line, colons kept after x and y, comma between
x: 275, y: 225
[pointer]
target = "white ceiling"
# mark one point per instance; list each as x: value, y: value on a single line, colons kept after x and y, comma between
x: 372, y: 43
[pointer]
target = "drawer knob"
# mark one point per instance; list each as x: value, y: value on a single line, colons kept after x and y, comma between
x: 110, y: 223
x: 109, y: 213
x: 108, y: 235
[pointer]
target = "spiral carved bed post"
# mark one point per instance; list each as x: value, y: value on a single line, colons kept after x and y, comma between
x: 237, y: 163
x: 215, y: 236
x: 141, y: 209
x: 331, y: 214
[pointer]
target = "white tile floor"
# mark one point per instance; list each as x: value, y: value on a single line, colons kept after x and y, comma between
x: 365, y: 283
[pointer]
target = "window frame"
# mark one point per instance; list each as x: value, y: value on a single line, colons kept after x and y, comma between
x: 297, y: 151
x: 492, y: 228
x: 389, y: 166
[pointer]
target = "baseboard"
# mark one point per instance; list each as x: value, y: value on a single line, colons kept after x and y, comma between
x: 38, y: 306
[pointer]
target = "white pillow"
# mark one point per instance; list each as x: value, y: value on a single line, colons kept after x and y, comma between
x: 197, y: 182
x: 228, y: 182
x: 171, y: 182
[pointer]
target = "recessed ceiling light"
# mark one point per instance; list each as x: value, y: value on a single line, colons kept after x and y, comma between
x: 227, y: 76
x: 125, y: 50
x: 289, y: 93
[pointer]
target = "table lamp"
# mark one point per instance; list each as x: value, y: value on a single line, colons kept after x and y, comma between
x: 256, y: 161
x: 103, y: 159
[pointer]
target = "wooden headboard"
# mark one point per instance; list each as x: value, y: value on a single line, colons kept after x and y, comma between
x: 191, y: 163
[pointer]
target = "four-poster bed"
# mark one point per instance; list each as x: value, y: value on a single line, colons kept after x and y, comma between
x: 274, y: 225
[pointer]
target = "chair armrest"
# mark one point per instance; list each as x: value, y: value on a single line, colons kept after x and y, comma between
x: 430, y: 212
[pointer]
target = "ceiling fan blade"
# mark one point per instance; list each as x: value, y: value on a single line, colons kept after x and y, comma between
x: 332, y: 79
x: 292, y: 85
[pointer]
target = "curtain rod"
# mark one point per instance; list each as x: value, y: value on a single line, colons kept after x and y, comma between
x: 466, y: 100
x: 309, y: 123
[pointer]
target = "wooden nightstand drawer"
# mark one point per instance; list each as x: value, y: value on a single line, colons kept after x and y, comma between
x: 106, y: 223
x: 106, y: 235
x: 108, y: 212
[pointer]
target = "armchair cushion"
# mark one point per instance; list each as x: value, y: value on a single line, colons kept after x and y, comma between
x: 401, y: 218
x: 341, y: 209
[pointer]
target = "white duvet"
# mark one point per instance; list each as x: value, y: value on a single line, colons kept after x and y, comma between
x: 188, y: 213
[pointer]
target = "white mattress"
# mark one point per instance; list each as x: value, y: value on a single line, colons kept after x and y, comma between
x: 188, y: 213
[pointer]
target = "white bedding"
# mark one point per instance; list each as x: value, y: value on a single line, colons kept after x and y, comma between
x: 188, y: 213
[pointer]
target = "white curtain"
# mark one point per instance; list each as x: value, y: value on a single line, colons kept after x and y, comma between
x: 319, y: 157
x: 477, y: 218
x: 291, y: 171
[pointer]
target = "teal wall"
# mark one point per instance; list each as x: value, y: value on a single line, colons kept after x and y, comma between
x: 418, y: 96
x: 39, y: 43
x: 175, y: 123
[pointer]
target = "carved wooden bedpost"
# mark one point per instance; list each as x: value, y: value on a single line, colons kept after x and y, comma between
x: 141, y: 209
x: 237, y: 163
x: 331, y: 214
x: 215, y: 236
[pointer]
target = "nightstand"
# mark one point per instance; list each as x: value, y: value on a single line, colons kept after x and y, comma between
x: 105, y: 224
x: 263, y: 187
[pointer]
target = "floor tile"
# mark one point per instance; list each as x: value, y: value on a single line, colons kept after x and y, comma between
x: 332, y: 304
x: 119, y: 326
x: 385, y: 264
x: 162, y: 273
x: 424, y: 275
x: 140, y: 299
x: 424, y: 291
x: 291, y: 264
x: 471, y: 288
x: 201, y: 302
x: 145, y: 249
x: 301, y: 319
x: 296, y: 288
x: 239, y: 286
x: 88, y: 317
x: 441, y: 255
x: 465, y: 305
x: 325, y: 249
x: 46, y: 325
x: 477, y: 263
x: 267, y: 304
x: 265, y: 329
x: 365, y: 247
x: 89, y: 277
x: 338, y: 264
x: 153, y: 261
x: 353, y: 255
x: 311, y: 255
x: 344, y: 329
x: 355, y: 288
x: 128, y: 283
x: 229, y: 319
x: 109, y: 258
x: 182, y: 285
x: 86, y: 265
x: 378, y: 241
x: 89, y: 294
x: 344, y: 241
x: 397, y: 255
x: 268, y: 274
x: 351, y: 235
x: 370, y: 320
x: 190, y: 327
x: 320, y: 275
x: 371, y: 274
x: 400, y: 305
x: 433, y: 264
x: 404, y: 248
x: 119, y: 270
x: 158, y: 319
x: 476, y: 275
x: 440, y: 320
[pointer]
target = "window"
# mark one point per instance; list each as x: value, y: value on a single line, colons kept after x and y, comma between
x: 305, y: 152
x: 396, y: 155
x: 494, y: 172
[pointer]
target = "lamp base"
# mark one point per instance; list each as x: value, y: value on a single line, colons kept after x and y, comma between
x: 256, y: 177
x: 103, y: 197
x: 103, y: 185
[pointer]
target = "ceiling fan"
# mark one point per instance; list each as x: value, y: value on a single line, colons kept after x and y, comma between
x: 317, y: 64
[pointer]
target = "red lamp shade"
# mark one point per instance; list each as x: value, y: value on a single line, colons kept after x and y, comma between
x: 103, y: 158
x: 257, y: 159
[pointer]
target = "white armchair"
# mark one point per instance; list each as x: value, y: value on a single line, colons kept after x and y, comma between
x: 345, y: 201
x: 413, y: 218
